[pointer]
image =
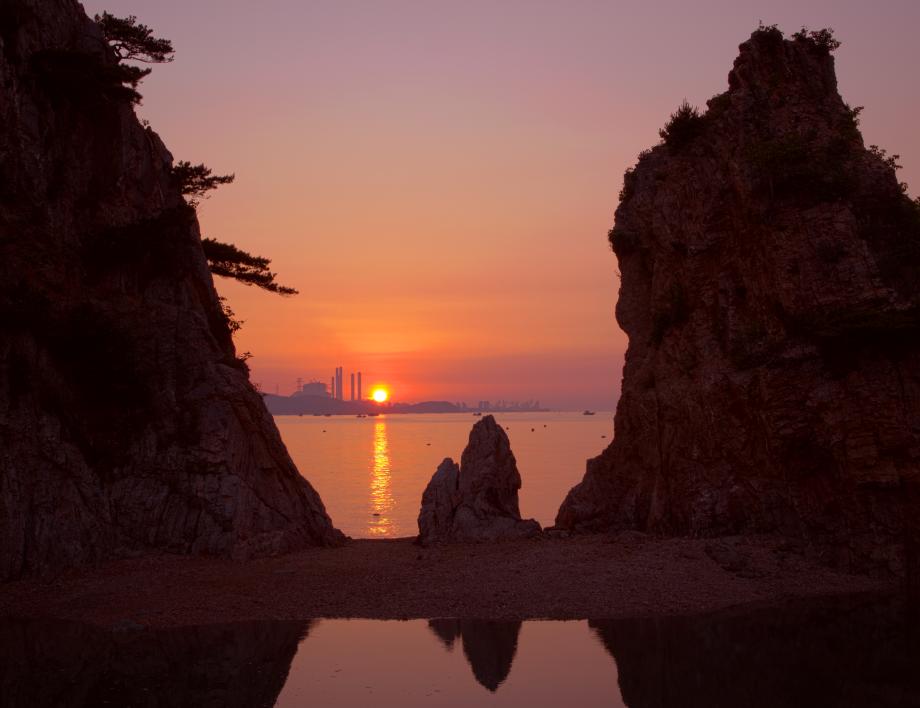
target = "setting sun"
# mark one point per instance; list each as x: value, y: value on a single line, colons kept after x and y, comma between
x: 380, y: 395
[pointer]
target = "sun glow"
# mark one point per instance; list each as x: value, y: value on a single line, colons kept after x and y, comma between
x: 380, y: 395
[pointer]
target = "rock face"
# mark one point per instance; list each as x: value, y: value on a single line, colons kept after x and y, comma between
x: 126, y: 420
x: 771, y: 293
x: 477, y: 500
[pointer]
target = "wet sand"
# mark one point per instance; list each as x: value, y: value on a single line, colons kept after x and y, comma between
x: 626, y: 575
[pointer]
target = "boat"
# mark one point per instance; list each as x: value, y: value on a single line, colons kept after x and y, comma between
x: 588, y: 413
x: 477, y: 413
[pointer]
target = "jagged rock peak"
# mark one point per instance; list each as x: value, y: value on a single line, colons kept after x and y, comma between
x: 477, y: 500
x: 127, y: 422
x: 771, y: 294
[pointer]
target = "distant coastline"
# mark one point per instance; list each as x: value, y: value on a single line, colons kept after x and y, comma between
x: 324, y: 405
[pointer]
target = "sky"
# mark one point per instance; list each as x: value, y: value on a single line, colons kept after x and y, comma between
x: 438, y: 178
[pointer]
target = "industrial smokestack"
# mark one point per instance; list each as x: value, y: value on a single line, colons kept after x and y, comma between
x: 352, y: 386
x: 359, y: 386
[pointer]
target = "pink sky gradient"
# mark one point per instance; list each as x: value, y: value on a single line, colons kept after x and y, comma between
x: 438, y: 178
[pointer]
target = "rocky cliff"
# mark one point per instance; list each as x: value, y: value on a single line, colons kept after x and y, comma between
x: 126, y: 420
x: 771, y: 294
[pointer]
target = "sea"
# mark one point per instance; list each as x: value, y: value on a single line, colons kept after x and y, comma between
x: 371, y: 472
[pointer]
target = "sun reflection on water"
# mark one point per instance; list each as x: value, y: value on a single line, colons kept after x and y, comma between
x: 381, y: 493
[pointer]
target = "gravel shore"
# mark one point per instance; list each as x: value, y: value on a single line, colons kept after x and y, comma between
x: 624, y: 575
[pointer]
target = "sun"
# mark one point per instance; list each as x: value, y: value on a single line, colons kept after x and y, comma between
x: 380, y: 395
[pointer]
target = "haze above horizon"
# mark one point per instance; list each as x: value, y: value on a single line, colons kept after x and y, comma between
x: 438, y: 179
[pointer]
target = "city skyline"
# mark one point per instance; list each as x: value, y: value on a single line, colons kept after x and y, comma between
x: 316, y: 387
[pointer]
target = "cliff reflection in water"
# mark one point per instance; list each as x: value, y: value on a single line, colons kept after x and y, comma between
x: 845, y: 652
x: 381, y: 489
x: 55, y: 664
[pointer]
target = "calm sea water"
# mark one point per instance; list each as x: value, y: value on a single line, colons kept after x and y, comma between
x: 371, y: 472
x: 845, y: 653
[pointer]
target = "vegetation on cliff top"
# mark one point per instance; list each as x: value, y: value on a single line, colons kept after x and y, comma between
x: 224, y: 259
x: 687, y: 122
x: 130, y: 40
x: 195, y: 181
x: 682, y: 127
x: 228, y: 261
x: 81, y: 76
x: 795, y: 166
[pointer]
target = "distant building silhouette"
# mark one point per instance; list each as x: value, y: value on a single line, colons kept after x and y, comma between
x: 314, y: 388
x: 339, y: 376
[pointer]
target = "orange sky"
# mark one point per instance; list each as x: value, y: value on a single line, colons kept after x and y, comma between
x: 438, y: 178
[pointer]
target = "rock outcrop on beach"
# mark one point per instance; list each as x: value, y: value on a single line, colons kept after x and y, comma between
x: 771, y: 293
x: 476, y: 500
x: 127, y: 422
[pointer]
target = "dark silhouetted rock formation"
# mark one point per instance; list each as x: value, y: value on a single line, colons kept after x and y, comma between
x: 439, y: 501
x: 126, y: 420
x: 477, y: 501
x: 49, y: 664
x: 833, y: 653
x: 771, y: 293
x: 489, y: 646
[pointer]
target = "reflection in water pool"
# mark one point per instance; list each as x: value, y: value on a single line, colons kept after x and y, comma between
x: 841, y: 652
x: 381, y: 495
x: 488, y: 646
